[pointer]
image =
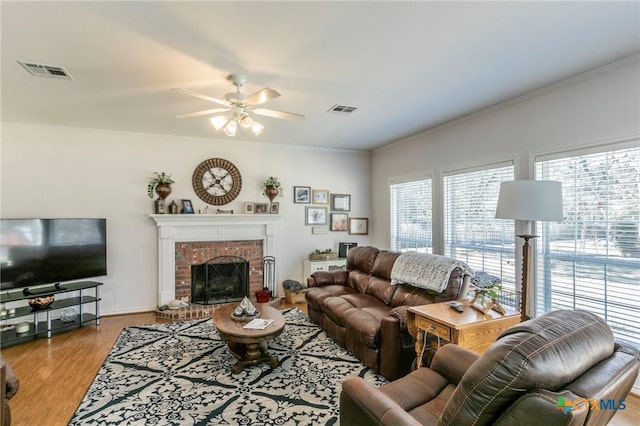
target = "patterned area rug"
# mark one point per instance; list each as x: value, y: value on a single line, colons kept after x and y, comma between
x: 179, y: 373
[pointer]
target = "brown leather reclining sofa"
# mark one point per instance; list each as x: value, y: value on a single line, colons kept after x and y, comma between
x: 362, y: 311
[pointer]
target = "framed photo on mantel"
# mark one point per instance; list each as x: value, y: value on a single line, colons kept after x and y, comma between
x: 187, y: 207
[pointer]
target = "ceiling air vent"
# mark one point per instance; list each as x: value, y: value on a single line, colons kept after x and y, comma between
x: 40, y: 70
x: 342, y: 109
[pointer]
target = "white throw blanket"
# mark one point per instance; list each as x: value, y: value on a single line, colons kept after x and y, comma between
x: 429, y: 271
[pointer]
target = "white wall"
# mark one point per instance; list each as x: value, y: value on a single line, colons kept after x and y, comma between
x: 51, y: 171
x: 595, y: 108
x: 599, y: 107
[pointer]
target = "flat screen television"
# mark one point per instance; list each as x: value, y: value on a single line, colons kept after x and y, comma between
x: 50, y: 251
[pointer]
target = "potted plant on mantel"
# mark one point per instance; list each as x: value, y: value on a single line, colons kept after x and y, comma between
x: 160, y: 183
x: 271, y: 187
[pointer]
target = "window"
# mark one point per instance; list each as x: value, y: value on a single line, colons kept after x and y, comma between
x: 473, y: 234
x: 411, y: 217
x: 591, y: 260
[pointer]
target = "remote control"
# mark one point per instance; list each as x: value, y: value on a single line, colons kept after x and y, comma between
x: 457, y: 306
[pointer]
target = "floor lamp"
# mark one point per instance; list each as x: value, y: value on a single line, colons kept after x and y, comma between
x: 529, y: 200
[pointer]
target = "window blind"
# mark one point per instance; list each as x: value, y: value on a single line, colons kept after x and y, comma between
x: 473, y: 234
x: 592, y: 259
x: 411, y: 215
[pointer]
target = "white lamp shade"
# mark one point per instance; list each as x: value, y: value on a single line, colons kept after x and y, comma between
x: 534, y: 200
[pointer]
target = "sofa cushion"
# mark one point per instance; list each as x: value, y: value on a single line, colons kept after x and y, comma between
x: 362, y: 301
x: 384, y: 264
x: 359, y: 281
x: 362, y: 259
x: 335, y: 308
x: 315, y: 296
x: 406, y: 294
x: 362, y: 324
x: 381, y: 289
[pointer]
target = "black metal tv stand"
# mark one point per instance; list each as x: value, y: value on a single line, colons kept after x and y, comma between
x: 45, y: 322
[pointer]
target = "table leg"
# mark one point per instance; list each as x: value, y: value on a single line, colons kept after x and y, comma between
x: 253, y: 351
x: 419, y: 344
x: 250, y: 354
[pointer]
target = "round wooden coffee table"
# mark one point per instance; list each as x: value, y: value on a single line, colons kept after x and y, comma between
x: 247, y: 345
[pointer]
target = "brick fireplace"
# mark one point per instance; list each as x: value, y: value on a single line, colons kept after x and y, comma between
x: 197, y: 253
x: 197, y: 237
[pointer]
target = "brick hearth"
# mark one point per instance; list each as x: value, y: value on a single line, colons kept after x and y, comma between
x: 198, y: 311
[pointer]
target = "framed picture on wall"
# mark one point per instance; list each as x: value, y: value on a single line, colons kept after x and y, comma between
x: 320, y: 196
x: 315, y: 216
x: 358, y: 226
x: 340, y: 202
x: 302, y: 194
x: 275, y: 208
x: 339, y: 222
x: 249, y: 208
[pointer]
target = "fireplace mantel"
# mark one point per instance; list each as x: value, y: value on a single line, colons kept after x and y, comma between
x: 206, y: 227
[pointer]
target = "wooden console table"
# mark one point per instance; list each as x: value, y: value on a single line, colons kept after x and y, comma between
x: 470, y: 329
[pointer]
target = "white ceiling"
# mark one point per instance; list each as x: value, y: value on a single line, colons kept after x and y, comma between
x: 406, y: 66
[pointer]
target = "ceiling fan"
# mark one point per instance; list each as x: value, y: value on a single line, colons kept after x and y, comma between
x: 237, y: 106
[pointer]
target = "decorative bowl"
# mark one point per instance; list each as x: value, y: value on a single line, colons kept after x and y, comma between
x: 43, y: 302
x: 68, y: 315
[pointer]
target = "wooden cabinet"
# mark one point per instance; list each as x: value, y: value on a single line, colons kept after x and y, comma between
x: 470, y: 329
x: 311, y: 266
x: 45, y: 322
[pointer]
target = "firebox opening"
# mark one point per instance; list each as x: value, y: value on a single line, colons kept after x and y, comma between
x: 222, y: 279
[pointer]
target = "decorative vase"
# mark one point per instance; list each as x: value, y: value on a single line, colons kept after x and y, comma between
x: 271, y: 192
x: 163, y: 190
x: 263, y: 296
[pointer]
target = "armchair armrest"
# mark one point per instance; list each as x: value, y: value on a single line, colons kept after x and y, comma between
x: 452, y: 361
x: 362, y: 404
x: 400, y: 313
x: 320, y: 278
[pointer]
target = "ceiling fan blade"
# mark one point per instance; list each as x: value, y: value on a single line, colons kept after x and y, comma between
x: 279, y: 114
x: 202, y: 96
x: 201, y: 113
x: 261, y: 96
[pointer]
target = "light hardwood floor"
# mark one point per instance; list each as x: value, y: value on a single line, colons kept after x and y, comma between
x: 56, y: 373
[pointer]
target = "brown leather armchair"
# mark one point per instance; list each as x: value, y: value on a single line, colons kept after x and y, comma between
x: 552, y: 370
x: 9, y: 385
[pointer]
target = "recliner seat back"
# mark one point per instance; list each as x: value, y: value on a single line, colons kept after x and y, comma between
x: 540, y: 359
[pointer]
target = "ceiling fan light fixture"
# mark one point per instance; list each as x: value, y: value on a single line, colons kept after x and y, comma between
x: 219, y: 121
x: 256, y: 128
x: 236, y: 107
x: 230, y: 128
x: 246, y: 121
